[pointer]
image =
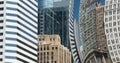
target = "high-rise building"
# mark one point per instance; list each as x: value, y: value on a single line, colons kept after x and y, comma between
x: 50, y: 50
x: 92, y: 32
x: 112, y: 28
x: 57, y: 22
x: 54, y: 19
x: 88, y: 24
x: 18, y: 31
x: 74, y: 40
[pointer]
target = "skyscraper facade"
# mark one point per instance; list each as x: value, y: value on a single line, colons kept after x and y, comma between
x: 74, y: 40
x: 88, y: 24
x: 92, y: 32
x: 18, y: 31
x: 112, y: 28
x: 57, y: 14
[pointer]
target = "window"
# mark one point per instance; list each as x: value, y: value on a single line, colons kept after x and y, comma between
x: 110, y: 48
x: 1, y: 15
x: 114, y: 23
x: 1, y: 8
x: 114, y: 11
x: 110, y: 24
x: 1, y: 2
x: 110, y: 12
x: 107, y: 31
x: 110, y: 18
x: 115, y: 29
x: 106, y: 19
x: 110, y: 29
x: 116, y: 35
x: 114, y: 17
x: 118, y: 11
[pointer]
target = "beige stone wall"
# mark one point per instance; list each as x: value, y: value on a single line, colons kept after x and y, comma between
x: 100, y: 32
x: 51, y: 51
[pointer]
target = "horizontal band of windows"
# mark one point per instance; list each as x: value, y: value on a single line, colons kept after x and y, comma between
x: 9, y: 14
x: 1, y: 34
x: 27, y: 50
x: 26, y: 39
x: 9, y: 2
x: 28, y: 17
x: 9, y: 8
x: 10, y: 57
x: 8, y: 32
x: 1, y: 2
x: 25, y: 55
x: 1, y: 40
x: 1, y: 15
x: 8, y: 38
x: 27, y: 33
x: 11, y: 45
x: 1, y: 27
x: 10, y: 51
x: 20, y: 41
x: 1, y: 53
x: 28, y: 27
x: 28, y: 6
x: 7, y: 62
x: 1, y: 46
x: 22, y: 60
x: 11, y: 20
x: 1, y: 21
x: 1, y: 9
x: 28, y: 11
x: 9, y: 26
x: 33, y: 3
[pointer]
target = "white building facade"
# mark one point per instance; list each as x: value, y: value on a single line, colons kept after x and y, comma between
x: 112, y: 28
x: 18, y: 31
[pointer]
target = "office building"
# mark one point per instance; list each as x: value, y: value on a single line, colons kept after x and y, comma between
x: 18, y: 31
x: 92, y: 32
x: 57, y: 22
x: 56, y: 15
x: 112, y: 28
x: 50, y: 50
x: 74, y: 40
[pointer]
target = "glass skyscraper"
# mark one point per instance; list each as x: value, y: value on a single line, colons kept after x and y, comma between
x: 54, y: 16
x: 18, y: 31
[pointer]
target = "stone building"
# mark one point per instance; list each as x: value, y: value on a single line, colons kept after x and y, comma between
x: 50, y: 50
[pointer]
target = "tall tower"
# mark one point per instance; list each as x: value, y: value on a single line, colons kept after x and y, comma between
x: 92, y: 32
x: 54, y: 18
x: 18, y: 31
x: 112, y: 28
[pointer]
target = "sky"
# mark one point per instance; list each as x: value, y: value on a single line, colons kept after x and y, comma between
x: 76, y: 9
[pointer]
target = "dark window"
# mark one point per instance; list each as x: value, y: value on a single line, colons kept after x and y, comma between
x: 1, y: 21
x: 1, y: 33
x: 1, y: 40
x: 1, y: 8
x: 1, y: 27
x: 1, y: 53
x: 1, y: 14
x: 1, y: 46
x: 0, y: 59
x: 1, y: 2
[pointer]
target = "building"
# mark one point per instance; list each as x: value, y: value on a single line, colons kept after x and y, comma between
x: 54, y: 18
x: 57, y: 22
x: 74, y: 40
x: 88, y: 24
x: 18, y: 31
x: 112, y: 28
x: 92, y: 32
x: 50, y: 50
